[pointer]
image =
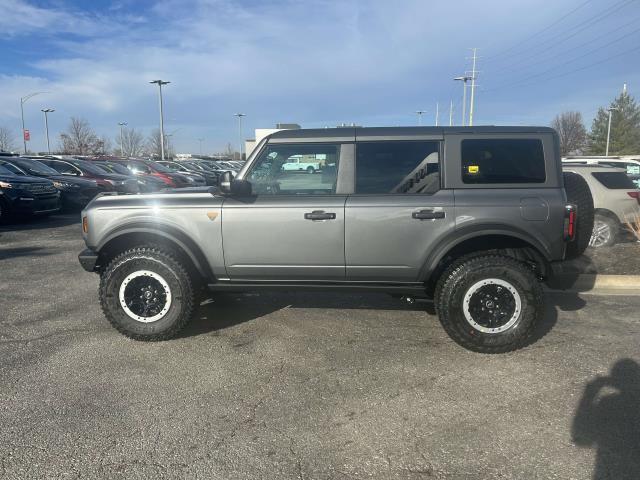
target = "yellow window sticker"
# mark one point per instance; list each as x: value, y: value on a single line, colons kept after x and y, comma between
x: 474, y: 169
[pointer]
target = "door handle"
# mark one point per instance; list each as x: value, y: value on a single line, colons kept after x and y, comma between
x: 427, y: 215
x: 320, y: 215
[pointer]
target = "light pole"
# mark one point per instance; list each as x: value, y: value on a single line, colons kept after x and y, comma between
x: 200, y: 140
x: 23, y: 100
x: 46, y: 126
x: 611, y: 109
x: 240, y: 115
x: 464, y: 79
x: 473, y: 87
x: 122, y: 124
x: 160, y: 83
x: 419, y: 113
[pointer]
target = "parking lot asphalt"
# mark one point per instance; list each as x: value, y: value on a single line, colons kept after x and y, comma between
x: 301, y: 385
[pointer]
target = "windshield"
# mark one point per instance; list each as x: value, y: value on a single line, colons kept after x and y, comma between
x: 34, y: 167
x: 89, y: 167
x: 115, y: 168
x: 160, y: 168
x: 12, y: 169
x: 4, y: 171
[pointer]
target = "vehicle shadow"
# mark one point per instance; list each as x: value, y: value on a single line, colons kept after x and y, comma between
x: 40, y: 223
x: 224, y: 310
x: 608, y: 419
x: 6, y: 253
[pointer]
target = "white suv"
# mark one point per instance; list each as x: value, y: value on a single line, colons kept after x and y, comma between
x: 616, y: 200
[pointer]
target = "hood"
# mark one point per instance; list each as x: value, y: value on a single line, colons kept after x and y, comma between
x: 81, y: 182
x: 23, y: 179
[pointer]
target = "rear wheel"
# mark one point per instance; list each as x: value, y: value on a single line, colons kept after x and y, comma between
x: 310, y: 169
x: 147, y: 294
x: 605, y: 232
x: 489, y: 304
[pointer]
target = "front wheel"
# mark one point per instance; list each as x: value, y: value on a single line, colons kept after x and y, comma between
x: 489, y: 304
x: 147, y: 294
x: 310, y: 169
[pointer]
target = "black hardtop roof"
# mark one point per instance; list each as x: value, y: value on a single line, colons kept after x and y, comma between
x: 401, y: 131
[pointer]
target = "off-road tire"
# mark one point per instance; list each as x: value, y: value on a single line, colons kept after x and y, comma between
x: 579, y: 194
x: 458, y: 279
x: 163, y: 263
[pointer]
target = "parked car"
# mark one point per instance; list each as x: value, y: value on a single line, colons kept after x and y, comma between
x: 170, y: 178
x: 22, y: 195
x: 616, y: 200
x: 190, y: 168
x: 146, y: 183
x: 107, y: 182
x: 74, y: 192
x: 381, y: 217
x: 631, y: 165
x: 299, y: 164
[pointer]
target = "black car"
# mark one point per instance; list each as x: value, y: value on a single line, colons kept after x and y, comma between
x: 74, y: 192
x: 146, y: 183
x: 24, y: 195
x: 107, y: 182
x: 187, y: 167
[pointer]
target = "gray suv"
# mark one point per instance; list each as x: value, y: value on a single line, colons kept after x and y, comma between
x: 473, y: 218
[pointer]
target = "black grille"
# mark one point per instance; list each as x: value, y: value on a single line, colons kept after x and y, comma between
x: 39, y: 188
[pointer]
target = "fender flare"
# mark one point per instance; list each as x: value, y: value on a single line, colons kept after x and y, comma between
x: 463, y: 234
x: 169, y: 232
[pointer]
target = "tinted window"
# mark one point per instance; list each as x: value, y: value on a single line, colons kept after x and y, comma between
x: 401, y: 167
x: 614, y: 180
x: 4, y: 171
x: 137, y: 167
x: 12, y: 168
x: 62, y: 167
x: 502, y: 161
x: 295, y: 170
x: 34, y: 167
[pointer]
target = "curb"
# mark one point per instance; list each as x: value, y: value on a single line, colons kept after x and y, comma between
x: 595, y: 283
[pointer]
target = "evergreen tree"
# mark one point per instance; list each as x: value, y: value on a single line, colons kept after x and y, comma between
x: 625, y: 128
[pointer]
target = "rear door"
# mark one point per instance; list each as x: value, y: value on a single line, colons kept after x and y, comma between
x: 292, y: 226
x: 398, y: 209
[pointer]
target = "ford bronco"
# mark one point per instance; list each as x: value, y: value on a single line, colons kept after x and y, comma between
x: 474, y: 218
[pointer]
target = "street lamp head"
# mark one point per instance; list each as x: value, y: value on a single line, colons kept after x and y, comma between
x: 122, y: 124
x: 463, y: 78
x: 612, y: 109
x: 159, y: 82
x: 239, y: 115
x: 48, y: 110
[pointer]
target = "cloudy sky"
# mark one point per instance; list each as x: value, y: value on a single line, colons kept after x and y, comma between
x: 313, y: 62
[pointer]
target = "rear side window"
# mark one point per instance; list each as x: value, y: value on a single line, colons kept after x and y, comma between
x: 614, y: 180
x: 397, y: 167
x: 503, y: 161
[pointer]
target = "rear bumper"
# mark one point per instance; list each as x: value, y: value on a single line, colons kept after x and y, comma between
x: 88, y: 259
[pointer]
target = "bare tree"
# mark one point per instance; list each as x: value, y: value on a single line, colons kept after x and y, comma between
x: 7, y: 140
x: 571, y: 130
x: 132, y: 143
x: 80, y: 139
x: 153, y: 145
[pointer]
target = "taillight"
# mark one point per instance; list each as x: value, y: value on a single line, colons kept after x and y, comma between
x: 570, y: 219
x: 635, y: 195
x: 85, y: 225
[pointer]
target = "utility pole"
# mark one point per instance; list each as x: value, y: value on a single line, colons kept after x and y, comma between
x: 46, y: 126
x: 451, y: 113
x: 611, y: 109
x: 122, y: 124
x: 200, y: 140
x: 420, y: 112
x: 464, y: 79
x: 23, y: 100
x: 473, y: 87
x: 160, y: 83
x: 240, y: 115
x: 437, y: 112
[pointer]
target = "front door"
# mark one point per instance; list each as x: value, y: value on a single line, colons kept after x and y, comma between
x: 292, y: 226
x: 397, y: 212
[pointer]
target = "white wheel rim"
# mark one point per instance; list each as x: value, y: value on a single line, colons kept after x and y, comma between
x: 601, y: 234
x: 163, y: 284
x: 498, y: 282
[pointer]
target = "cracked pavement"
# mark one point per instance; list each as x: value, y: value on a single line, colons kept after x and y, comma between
x: 297, y: 385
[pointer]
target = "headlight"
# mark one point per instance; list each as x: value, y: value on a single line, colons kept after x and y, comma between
x: 5, y: 184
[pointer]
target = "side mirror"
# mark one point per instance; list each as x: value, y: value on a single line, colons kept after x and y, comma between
x: 230, y: 186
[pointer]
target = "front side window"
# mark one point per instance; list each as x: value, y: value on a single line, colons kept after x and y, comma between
x: 288, y: 169
x: 503, y: 161
x: 397, y: 167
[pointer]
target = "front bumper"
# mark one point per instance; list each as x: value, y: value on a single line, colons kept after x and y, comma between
x: 35, y: 205
x: 88, y: 259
